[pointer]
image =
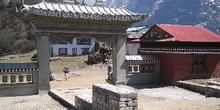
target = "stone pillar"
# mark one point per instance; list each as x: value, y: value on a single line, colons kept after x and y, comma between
x: 43, y: 56
x: 119, y: 64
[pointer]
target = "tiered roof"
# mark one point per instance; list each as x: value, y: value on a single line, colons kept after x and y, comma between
x: 67, y: 10
x: 8, y: 67
x: 185, y: 33
x: 190, y: 33
x: 185, y: 39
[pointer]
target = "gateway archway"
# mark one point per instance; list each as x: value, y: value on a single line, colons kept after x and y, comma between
x: 100, y: 22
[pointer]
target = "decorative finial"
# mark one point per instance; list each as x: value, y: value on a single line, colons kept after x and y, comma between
x: 112, y: 4
x: 84, y: 2
x: 123, y: 3
x: 69, y: 1
x: 99, y: 3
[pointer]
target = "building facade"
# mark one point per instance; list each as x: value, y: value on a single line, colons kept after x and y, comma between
x: 17, y: 79
x: 142, y: 69
x: 78, y: 46
x: 67, y: 19
x: 134, y: 34
x: 185, y: 51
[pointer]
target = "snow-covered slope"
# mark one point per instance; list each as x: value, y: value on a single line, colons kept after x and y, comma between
x: 194, y: 12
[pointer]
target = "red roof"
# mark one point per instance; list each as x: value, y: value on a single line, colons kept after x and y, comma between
x: 188, y: 33
x: 135, y: 40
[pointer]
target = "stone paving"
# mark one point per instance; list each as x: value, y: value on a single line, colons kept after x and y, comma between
x: 166, y: 96
x: 67, y: 96
x: 32, y: 102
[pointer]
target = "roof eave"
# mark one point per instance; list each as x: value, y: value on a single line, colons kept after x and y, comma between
x: 124, y: 15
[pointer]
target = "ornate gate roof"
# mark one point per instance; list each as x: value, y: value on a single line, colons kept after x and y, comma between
x: 49, y: 17
x: 67, y: 10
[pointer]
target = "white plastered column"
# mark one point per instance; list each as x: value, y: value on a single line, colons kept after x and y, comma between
x: 119, y: 63
x: 43, y: 56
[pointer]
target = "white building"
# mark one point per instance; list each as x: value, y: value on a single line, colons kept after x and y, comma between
x: 79, y: 46
x: 132, y: 47
x: 133, y: 39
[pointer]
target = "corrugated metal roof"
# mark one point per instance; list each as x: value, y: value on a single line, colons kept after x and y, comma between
x: 18, y: 66
x: 136, y: 32
x: 188, y: 33
x: 82, y: 11
x: 141, y: 57
x: 135, y: 40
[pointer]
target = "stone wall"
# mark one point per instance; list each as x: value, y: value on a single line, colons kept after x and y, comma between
x: 212, y: 89
x: 83, y: 102
x: 192, y: 86
x: 18, y: 79
x: 175, y: 67
x: 109, y: 97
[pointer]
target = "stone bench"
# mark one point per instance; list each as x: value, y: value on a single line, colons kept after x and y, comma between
x: 192, y: 86
x: 107, y: 97
x: 213, y: 89
x: 110, y: 97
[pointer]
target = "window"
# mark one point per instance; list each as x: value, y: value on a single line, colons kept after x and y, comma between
x: 13, y: 78
x: 199, y: 63
x: 83, y: 41
x: 5, y: 79
x: 62, y: 42
x: 85, y: 51
x: 62, y: 51
x: 21, y: 78
x: 146, y: 68
x: 136, y: 68
x: 29, y: 78
x: 16, y: 78
x: 130, y: 68
x: 143, y: 68
x: 133, y: 69
x: 74, y: 51
x: 51, y: 51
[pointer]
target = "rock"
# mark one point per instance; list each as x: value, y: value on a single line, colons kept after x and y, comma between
x: 102, y: 54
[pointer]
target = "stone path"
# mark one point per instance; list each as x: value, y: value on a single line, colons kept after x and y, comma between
x: 170, y: 97
x: 172, y: 92
x: 67, y: 96
x: 33, y: 102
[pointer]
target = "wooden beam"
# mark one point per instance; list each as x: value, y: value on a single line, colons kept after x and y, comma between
x: 95, y: 30
x: 40, y: 20
x: 80, y: 32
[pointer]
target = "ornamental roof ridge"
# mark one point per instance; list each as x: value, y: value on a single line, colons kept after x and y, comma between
x: 69, y: 10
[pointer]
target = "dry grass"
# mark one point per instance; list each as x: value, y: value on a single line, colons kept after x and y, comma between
x: 17, y: 58
x: 71, y: 62
x: 55, y: 66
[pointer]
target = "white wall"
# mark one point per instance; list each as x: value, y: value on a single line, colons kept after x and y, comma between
x: 132, y: 48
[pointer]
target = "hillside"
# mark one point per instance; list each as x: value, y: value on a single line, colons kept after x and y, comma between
x: 197, y: 12
x: 16, y: 36
x: 15, y: 33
